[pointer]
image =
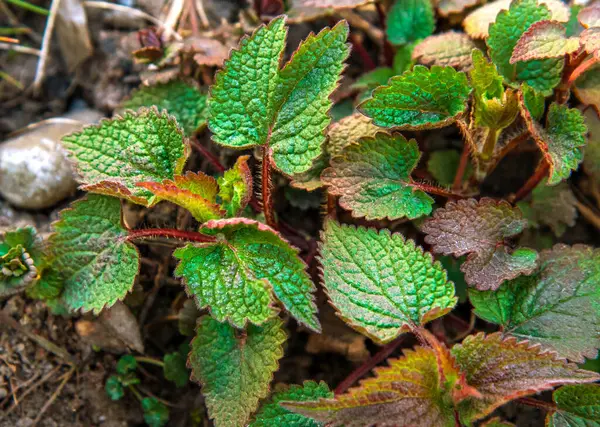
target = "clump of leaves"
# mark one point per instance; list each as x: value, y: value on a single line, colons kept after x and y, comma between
x: 246, y: 281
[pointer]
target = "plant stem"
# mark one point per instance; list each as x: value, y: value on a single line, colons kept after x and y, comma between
x: 135, y: 392
x: 358, y: 47
x: 436, y: 190
x: 582, y: 68
x: 212, y: 159
x: 170, y: 233
x: 150, y: 360
x: 30, y: 7
x: 267, y: 195
x: 490, y: 143
x: 588, y: 214
x: 388, y: 51
x: 369, y: 364
x: 533, y: 181
x: 462, y: 167
x: 547, y: 406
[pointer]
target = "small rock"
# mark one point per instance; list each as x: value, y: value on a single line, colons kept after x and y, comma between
x: 34, y: 170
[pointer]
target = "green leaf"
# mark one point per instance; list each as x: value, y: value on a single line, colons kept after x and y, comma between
x: 373, y: 178
x: 562, y: 140
x: 116, y: 154
x: 126, y: 364
x: 380, y: 283
x: 175, y: 369
x: 481, y: 229
x: 557, y: 307
x: 551, y: 206
x: 90, y: 250
x: 403, y: 58
x: 443, y: 164
x: 235, y: 368
x: 271, y: 414
x: 236, y: 275
x: 409, y: 20
x: 578, y: 406
x: 591, y: 160
x: 543, y: 40
x: 370, y: 80
x: 114, y: 388
x: 502, y: 370
x: 419, y: 99
x: 196, y: 192
x: 20, y: 257
x: 48, y: 286
x: 156, y: 414
x: 253, y: 102
x: 542, y: 75
x: 533, y: 101
x: 182, y: 100
x: 451, y: 49
x: 235, y: 187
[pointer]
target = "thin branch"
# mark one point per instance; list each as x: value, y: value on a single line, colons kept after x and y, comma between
x: 540, y: 173
x: 191, y: 236
x: 212, y: 159
x: 436, y: 190
x: 546, y: 406
x: 462, y: 167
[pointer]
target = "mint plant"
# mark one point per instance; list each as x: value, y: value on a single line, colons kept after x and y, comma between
x: 402, y: 216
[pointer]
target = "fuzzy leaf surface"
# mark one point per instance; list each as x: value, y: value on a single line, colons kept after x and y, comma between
x: 451, y: 49
x: 578, y: 406
x: 113, y: 156
x: 20, y: 252
x: 479, y: 228
x: 410, y: 20
x: 196, y: 192
x: 235, y: 187
x: 502, y: 369
x: 234, y: 370
x: 419, y: 99
x: 505, y: 32
x: 543, y: 40
x: 90, y: 250
x: 183, y: 101
x: 408, y: 392
x: 272, y: 414
x: 373, y: 178
x: 551, y: 206
x: 253, y: 102
x: 237, y: 275
x: 380, y: 283
x: 558, y: 306
x: 477, y: 23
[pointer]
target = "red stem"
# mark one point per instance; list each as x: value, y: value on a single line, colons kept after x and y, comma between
x: 533, y: 181
x: 582, y: 68
x: 358, y: 47
x: 436, y: 190
x: 462, y: 167
x: 547, y: 406
x: 388, y: 51
x: 267, y: 195
x: 369, y: 364
x: 170, y: 233
x: 212, y: 159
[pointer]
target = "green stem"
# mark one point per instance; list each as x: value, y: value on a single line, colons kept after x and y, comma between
x: 135, y: 392
x: 30, y: 7
x: 150, y: 360
x: 490, y: 143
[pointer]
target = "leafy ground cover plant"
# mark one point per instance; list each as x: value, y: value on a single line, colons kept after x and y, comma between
x: 386, y: 222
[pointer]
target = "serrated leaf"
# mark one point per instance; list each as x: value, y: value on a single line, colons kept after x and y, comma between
x: 89, y: 248
x: 562, y: 140
x: 577, y: 406
x: 156, y: 414
x: 253, y: 102
x: 126, y: 364
x: 551, y: 206
x: 20, y: 257
x: 196, y: 192
x: 380, y: 283
x: 557, y: 307
x: 480, y: 229
x: 114, y: 388
x: 419, y: 99
x: 477, y: 23
x: 533, y: 101
x: 48, y: 286
x: 175, y: 370
x: 590, y: 16
x: 587, y: 88
x: 236, y: 275
x: 544, y: 39
x: 447, y: 7
x: 235, y: 187
x: 183, y: 101
x: 542, y: 75
x: 590, y: 40
x: 504, y: 369
x: 451, y: 49
x: 443, y: 164
x: 409, y: 20
x: 271, y: 414
x: 372, y: 178
x: 591, y: 159
x: 116, y: 154
x: 409, y: 392
x: 235, y: 368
